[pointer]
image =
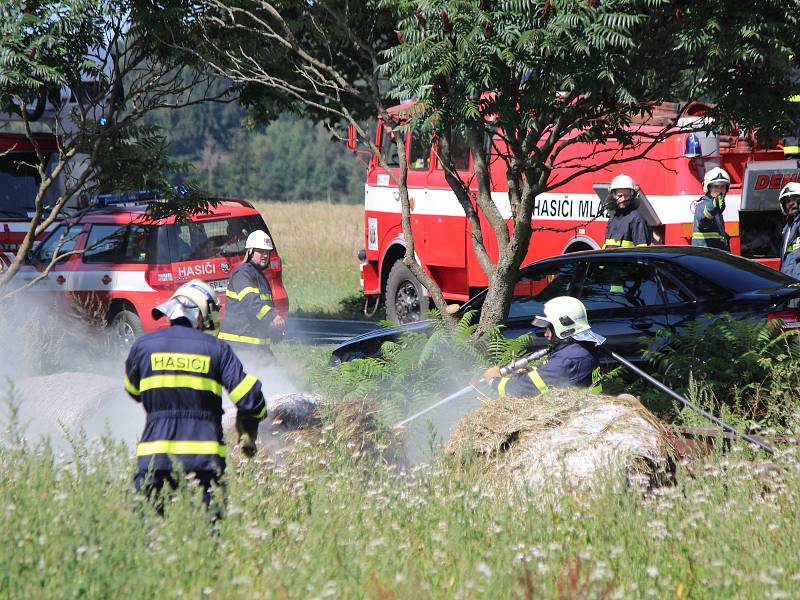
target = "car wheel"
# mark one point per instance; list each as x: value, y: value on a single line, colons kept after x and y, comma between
x: 406, y: 301
x: 125, y: 327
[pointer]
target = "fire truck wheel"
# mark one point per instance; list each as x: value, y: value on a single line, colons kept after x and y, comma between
x: 126, y: 327
x: 406, y: 301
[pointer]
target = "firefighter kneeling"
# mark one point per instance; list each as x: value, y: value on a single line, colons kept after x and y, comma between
x: 178, y: 374
x: 572, y: 360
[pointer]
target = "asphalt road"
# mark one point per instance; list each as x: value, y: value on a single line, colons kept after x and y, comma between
x: 325, y: 331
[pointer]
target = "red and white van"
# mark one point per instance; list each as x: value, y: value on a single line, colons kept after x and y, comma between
x: 125, y: 263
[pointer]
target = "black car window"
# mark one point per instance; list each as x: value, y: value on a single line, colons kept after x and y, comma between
x: 535, y: 288
x: 119, y: 244
x: 65, y: 235
x: 212, y: 238
x: 609, y: 285
x: 697, y: 285
x: 732, y: 272
x: 673, y: 291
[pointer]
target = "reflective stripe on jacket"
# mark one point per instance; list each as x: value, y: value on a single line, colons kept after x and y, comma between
x: 178, y: 375
x: 790, y: 248
x: 249, y: 307
x: 709, y: 226
x: 626, y: 229
x: 572, y: 364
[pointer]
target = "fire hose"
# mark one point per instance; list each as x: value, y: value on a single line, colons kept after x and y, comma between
x: 598, y: 340
x: 673, y: 394
x: 508, y: 369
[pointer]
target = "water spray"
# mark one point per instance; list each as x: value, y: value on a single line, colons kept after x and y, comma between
x: 520, y: 363
x: 597, y: 340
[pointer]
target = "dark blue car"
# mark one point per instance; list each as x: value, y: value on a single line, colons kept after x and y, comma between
x: 630, y: 293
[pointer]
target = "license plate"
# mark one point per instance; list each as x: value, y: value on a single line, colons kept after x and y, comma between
x: 219, y: 285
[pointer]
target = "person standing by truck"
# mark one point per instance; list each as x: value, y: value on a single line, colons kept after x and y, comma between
x: 709, y: 224
x: 250, y: 318
x: 626, y: 227
x: 789, y: 199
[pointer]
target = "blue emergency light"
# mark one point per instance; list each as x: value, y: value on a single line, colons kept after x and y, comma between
x: 692, y: 149
x: 102, y: 121
x: 129, y: 198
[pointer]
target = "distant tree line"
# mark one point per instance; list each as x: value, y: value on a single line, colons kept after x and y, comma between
x: 291, y: 159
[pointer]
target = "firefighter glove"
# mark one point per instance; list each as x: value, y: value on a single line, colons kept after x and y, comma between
x: 247, y: 428
x: 491, y: 373
x: 719, y: 203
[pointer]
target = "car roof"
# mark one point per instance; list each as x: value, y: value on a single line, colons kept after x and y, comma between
x: 227, y: 207
x: 726, y: 270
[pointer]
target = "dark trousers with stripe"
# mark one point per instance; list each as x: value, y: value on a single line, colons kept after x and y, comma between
x: 152, y: 483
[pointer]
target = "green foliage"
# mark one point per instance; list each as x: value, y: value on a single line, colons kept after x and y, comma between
x: 742, y: 370
x: 339, y: 42
x: 552, y: 66
x: 421, y: 366
x: 325, y: 524
x: 290, y: 159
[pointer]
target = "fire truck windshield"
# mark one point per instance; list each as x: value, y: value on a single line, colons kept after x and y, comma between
x: 19, y: 184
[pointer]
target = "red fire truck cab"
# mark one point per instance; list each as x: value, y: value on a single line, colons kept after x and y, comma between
x: 669, y: 178
x: 19, y: 184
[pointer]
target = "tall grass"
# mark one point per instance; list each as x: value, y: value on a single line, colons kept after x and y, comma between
x: 318, y: 243
x: 331, y: 523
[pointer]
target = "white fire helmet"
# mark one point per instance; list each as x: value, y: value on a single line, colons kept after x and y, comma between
x: 790, y: 189
x: 259, y: 240
x: 566, y: 315
x: 622, y: 182
x: 191, y: 301
x: 716, y: 175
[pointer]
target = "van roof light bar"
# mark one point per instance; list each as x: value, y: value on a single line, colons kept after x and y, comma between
x: 141, y: 197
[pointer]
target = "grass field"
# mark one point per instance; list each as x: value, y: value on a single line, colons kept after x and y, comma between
x: 332, y: 524
x: 318, y: 243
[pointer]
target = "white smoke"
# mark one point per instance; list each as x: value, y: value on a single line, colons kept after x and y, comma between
x: 67, y: 375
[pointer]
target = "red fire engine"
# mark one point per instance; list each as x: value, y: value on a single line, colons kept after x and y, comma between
x: 19, y: 183
x: 670, y: 181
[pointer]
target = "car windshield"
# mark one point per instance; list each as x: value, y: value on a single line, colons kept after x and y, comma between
x: 733, y: 272
x: 212, y: 238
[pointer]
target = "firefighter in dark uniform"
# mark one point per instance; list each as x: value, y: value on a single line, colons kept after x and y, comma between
x: 250, y: 317
x: 572, y: 361
x: 626, y: 227
x: 789, y: 199
x: 178, y: 374
x: 709, y: 225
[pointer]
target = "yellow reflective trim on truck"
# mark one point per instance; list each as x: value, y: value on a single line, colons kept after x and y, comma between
x: 177, y: 361
x: 180, y: 447
x: 170, y: 380
x: 245, y: 385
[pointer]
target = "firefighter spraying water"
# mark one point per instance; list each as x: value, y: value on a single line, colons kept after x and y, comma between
x: 571, y: 362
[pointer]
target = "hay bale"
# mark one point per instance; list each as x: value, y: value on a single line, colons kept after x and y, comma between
x: 562, y: 438
x: 293, y: 411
